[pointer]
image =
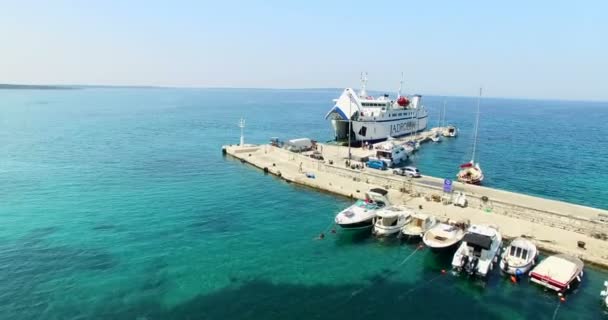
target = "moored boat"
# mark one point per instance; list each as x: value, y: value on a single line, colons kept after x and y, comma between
x: 412, y: 145
x: 450, y: 131
x: 361, y: 214
x: 558, y: 272
x: 444, y: 236
x: 604, y: 294
x: 519, y: 257
x: 478, y: 251
x: 471, y: 172
x: 418, y: 225
x: 436, y: 138
x: 389, y: 220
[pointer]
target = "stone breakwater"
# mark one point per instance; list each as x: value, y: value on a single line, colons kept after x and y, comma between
x: 554, y: 226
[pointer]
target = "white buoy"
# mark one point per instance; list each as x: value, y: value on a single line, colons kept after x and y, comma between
x: 242, y: 126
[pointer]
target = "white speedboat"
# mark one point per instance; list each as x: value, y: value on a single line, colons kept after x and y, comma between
x: 604, y: 294
x: 450, y: 131
x: 444, y: 235
x: 361, y: 117
x: 435, y: 138
x: 418, y: 225
x: 361, y: 214
x: 519, y: 257
x: 389, y: 220
x: 478, y: 251
x: 412, y: 145
x: 558, y: 272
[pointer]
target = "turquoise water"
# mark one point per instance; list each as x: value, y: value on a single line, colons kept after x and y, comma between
x: 117, y: 204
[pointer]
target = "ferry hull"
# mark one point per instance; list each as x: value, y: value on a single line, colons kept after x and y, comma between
x: 363, y: 118
x: 378, y: 131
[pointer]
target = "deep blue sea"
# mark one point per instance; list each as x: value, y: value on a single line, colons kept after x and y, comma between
x: 116, y: 203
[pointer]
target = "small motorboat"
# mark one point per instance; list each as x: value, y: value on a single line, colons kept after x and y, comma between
x: 604, y: 294
x: 470, y: 173
x: 444, y: 235
x: 519, y: 257
x: 390, y: 220
x: 412, y: 145
x: 478, y: 251
x: 450, y: 131
x: 558, y: 272
x: 361, y: 214
x: 435, y: 138
x: 418, y: 225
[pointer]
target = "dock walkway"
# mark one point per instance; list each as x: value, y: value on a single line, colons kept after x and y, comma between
x: 554, y: 226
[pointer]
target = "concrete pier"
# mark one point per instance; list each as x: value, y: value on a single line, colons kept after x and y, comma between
x: 554, y: 226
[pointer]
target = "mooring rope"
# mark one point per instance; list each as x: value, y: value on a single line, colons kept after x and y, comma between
x: 410, y: 255
x: 423, y: 284
x: 556, y: 309
x: 356, y: 292
x: 322, y: 234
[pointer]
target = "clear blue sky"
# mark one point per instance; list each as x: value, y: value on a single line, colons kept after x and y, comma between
x: 539, y: 49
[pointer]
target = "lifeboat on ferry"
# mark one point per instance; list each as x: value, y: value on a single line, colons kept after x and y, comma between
x: 403, y: 101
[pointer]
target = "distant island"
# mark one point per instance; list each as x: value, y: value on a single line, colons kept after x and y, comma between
x: 34, y: 87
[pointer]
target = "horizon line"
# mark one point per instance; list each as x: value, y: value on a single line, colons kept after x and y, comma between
x: 22, y: 86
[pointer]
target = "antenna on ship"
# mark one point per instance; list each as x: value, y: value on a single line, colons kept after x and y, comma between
x: 400, y: 86
x: 363, y: 92
x: 242, y: 126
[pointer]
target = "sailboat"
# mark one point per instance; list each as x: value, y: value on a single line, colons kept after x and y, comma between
x: 471, y: 172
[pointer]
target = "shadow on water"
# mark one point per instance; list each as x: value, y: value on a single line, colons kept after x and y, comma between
x: 212, y: 224
x: 30, y: 261
x: 104, y: 227
x: 265, y: 300
x: 353, y: 237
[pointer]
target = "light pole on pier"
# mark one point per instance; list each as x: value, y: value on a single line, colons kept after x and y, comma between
x: 350, y: 124
x: 242, y: 126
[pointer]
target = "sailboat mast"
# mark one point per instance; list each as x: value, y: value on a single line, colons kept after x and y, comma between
x: 476, y: 126
x: 400, y: 86
x: 443, y: 122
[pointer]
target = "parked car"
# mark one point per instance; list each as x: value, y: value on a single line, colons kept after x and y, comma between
x: 316, y: 155
x: 376, y: 164
x: 408, y: 172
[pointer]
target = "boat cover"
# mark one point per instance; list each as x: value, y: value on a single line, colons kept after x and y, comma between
x: 558, y: 268
x: 478, y: 240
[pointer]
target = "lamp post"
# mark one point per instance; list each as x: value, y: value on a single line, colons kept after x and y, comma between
x: 350, y: 124
x: 242, y: 126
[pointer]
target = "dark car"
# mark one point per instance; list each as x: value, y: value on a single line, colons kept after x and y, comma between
x: 316, y: 155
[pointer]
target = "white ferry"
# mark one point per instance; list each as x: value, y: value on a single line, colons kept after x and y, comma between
x: 375, y: 119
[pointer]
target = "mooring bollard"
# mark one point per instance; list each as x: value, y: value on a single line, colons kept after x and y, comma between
x: 581, y: 244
